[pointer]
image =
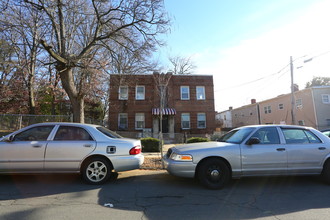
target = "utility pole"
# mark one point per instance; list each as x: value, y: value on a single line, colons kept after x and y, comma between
x: 292, y: 94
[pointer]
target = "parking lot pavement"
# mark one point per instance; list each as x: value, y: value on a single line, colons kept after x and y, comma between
x: 154, y: 194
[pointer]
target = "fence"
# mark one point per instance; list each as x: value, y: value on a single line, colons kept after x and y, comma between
x: 12, y: 122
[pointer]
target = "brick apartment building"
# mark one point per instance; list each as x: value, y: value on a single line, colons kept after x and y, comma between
x: 188, y: 103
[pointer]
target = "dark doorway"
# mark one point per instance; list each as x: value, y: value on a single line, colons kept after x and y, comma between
x: 165, y: 124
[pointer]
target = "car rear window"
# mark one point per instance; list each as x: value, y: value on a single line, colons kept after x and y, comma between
x: 108, y: 132
x: 299, y: 136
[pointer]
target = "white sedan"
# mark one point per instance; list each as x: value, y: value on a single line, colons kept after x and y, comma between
x: 91, y: 150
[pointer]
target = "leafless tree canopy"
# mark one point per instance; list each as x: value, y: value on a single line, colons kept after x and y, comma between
x: 86, y: 35
x: 182, y: 65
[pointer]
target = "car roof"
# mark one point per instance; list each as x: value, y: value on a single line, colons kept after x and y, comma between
x: 278, y: 125
x: 64, y: 123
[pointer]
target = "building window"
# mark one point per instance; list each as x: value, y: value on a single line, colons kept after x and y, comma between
x: 268, y: 109
x: 326, y: 98
x: 139, y: 93
x: 185, y: 121
x: 280, y: 106
x: 201, y: 120
x: 301, y: 122
x: 123, y: 93
x: 185, y: 93
x: 139, y: 121
x: 328, y: 122
x: 200, y: 92
x: 122, y: 121
x: 299, y: 103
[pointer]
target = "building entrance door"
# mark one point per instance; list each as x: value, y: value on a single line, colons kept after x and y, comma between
x: 165, y: 124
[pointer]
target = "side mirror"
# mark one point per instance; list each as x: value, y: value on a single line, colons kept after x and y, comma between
x: 253, y: 140
x: 9, y: 139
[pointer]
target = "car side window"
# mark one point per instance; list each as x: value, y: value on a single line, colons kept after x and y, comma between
x: 70, y: 133
x: 299, y: 136
x: 39, y: 133
x: 267, y: 135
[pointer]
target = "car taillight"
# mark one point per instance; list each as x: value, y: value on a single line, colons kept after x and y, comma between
x: 135, y: 150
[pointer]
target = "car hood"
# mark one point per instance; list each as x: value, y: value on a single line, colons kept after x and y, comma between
x: 201, y: 146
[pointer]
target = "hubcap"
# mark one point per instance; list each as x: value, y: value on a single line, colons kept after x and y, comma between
x: 214, y: 174
x: 96, y: 171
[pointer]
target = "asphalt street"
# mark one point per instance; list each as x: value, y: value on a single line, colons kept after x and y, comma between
x: 153, y: 194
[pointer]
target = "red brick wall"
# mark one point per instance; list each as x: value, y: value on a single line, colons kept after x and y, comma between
x: 192, y: 106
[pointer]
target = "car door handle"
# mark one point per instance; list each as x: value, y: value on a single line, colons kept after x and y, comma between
x: 322, y: 148
x: 87, y: 145
x: 36, y: 146
x: 280, y: 149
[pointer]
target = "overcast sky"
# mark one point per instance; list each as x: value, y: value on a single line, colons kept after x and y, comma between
x: 246, y: 44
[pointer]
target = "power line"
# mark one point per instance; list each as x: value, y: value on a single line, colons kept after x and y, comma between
x: 278, y: 72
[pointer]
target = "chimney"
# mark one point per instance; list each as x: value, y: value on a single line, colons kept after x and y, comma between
x: 253, y: 101
x: 230, y: 108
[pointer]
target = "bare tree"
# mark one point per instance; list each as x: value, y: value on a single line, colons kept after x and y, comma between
x: 22, y: 30
x: 182, y: 65
x: 77, y: 32
x: 161, y: 84
x: 318, y: 81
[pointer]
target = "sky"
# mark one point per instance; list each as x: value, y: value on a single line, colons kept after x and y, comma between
x: 247, y: 44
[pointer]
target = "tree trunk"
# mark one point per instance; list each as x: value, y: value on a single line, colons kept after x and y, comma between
x: 32, y: 105
x: 77, y: 100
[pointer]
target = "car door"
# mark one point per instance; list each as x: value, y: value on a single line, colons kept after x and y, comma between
x: 71, y: 144
x: 306, y: 152
x: 25, y: 150
x: 269, y: 157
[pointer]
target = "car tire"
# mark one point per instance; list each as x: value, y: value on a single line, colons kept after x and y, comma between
x: 96, y: 171
x: 326, y: 172
x: 213, y: 173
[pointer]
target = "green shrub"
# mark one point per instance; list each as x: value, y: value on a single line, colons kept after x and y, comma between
x: 197, y: 139
x: 150, y: 144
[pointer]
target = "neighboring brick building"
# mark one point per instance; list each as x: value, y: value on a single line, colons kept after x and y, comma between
x: 188, y: 103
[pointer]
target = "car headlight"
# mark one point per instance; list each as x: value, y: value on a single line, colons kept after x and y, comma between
x: 181, y: 157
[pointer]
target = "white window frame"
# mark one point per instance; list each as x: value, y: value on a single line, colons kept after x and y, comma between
x: 139, y: 121
x: 183, y: 115
x: 326, y: 98
x: 139, y: 95
x: 119, y: 118
x: 281, y: 106
x: 301, y: 122
x: 123, y: 95
x: 200, y: 95
x: 199, y: 119
x: 268, y: 109
x: 182, y: 92
x: 299, y: 103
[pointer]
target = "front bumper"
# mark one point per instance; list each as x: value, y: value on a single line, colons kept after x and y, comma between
x: 179, y: 168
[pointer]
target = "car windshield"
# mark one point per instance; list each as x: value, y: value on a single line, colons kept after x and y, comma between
x: 108, y: 132
x: 236, y: 136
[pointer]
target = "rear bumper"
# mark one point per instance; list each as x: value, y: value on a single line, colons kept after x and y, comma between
x: 125, y: 163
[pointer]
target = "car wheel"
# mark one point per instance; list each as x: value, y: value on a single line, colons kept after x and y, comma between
x: 96, y: 171
x: 326, y: 172
x: 213, y: 173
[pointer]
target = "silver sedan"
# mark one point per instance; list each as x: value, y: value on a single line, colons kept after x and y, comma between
x: 93, y: 151
x: 263, y: 150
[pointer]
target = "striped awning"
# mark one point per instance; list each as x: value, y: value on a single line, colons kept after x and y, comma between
x: 164, y: 111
